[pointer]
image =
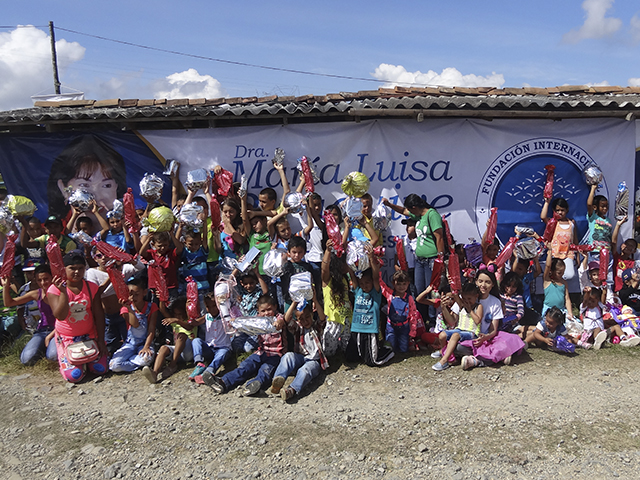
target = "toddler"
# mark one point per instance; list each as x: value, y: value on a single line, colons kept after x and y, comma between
x: 549, y: 329
x: 512, y: 302
x: 592, y: 312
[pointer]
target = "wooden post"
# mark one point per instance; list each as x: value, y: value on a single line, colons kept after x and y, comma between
x: 54, y: 60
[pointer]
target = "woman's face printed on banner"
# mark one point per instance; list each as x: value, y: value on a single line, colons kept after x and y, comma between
x: 93, y: 178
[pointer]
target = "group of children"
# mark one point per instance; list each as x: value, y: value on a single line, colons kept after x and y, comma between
x: 490, y: 318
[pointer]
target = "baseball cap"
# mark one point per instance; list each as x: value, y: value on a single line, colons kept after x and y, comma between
x: 594, y: 265
x: 53, y: 219
x: 408, y: 221
x: 30, y: 266
x: 627, y: 274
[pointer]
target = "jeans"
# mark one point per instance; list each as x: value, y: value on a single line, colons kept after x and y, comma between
x: 243, y: 342
x: 398, y: 337
x: 215, y: 356
x: 422, y: 272
x: 127, y: 358
x: 115, y: 331
x: 34, y: 350
x: 259, y: 366
x: 307, y: 370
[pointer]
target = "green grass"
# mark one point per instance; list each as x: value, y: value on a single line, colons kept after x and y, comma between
x: 10, y: 358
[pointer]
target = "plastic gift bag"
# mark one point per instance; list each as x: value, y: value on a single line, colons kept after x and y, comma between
x: 111, y: 251
x: 352, y: 208
x: 254, y: 325
x: 622, y: 201
x: 225, y: 292
x: 55, y: 258
x: 278, y: 157
x: 473, y: 252
x: 436, y: 273
x: 160, y: 219
x: 582, y: 248
x: 604, y: 264
x: 250, y: 260
x: 548, y: 185
x: 81, y: 199
x: 151, y: 187
x: 492, y: 226
x: 7, y: 222
x: 130, y: 215
x: 355, y: 184
x: 193, y: 307
x: 563, y: 345
x: 402, y: 259
x: 301, y: 287
x: 273, y: 262
x: 550, y: 228
x: 294, y: 201
x: 224, y: 181
x: 592, y: 175
x: 216, y: 214
x: 117, y: 211
x: 357, y: 257
x: 9, y: 256
x: 527, y: 248
x: 506, y: 252
x: 171, y: 167
x: 119, y: 285
x: 381, y: 217
x: 447, y: 231
x: 244, y: 185
x: 19, y: 206
x: 81, y: 238
x: 453, y: 273
x: 304, y: 167
x: 157, y: 281
x: 188, y: 216
x: 333, y: 232
x: 524, y: 231
x: 197, y: 179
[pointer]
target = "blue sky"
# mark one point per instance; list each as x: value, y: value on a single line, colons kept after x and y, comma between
x: 465, y: 43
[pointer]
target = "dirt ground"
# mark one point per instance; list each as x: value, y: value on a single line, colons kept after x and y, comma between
x: 547, y: 416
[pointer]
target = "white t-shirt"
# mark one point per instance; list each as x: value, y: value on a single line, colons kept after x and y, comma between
x: 491, y: 310
x: 410, y: 251
x: 314, y: 240
x: 99, y: 277
x: 215, y: 335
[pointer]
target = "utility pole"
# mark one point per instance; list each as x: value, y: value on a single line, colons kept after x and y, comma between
x: 54, y: 60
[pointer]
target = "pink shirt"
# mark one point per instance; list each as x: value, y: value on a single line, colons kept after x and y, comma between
x: 79, y: 321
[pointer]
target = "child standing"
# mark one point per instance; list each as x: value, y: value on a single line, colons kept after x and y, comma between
x: 248, y: 303
x: 165, y: 252
x: 113, y: 231
x: 600, y: 229
x: 400, y: 324
x: 564, y: 234
x: 337, y: 306
x: 258, y: 368
x: 141, y: 316
x: 625, y: 258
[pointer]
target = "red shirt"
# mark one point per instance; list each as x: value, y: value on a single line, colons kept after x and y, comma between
x: 169, y: 265
x: 619, y: 266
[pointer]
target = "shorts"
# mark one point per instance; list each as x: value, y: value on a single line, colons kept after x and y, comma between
x: 464, y: 334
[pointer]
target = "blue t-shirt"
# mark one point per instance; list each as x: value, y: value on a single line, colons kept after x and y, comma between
x: 366, y: 312
x: 117, y: 240
x: 194, y: 264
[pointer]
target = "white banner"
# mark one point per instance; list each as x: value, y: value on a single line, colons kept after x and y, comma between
x: 462, y: 167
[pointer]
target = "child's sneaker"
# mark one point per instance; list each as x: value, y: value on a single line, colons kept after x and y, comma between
x: 287, y: 394
x: 168, y: 371
x: 630, y: 341
x: 468, y: 362
x: 216, y: 384
x: 150, y: 375
x: 277, y: 384
x: 436, y: 354
x: 251, y: 389
x: 438, y: 367
x: 584, y: 345
x: 507, y: 361
x: 200, y: 367
x: 600, y: 339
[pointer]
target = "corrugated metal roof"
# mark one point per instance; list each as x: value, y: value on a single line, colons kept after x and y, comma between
x: 556, y: 102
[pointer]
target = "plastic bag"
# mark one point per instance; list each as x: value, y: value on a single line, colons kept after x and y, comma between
x: 119, y: 285
x: 453, y: 273
x: 582, y: 248
x: 117, y: 211
x: 55, y: 258
x: 333, y: 232
x: 9, y: 257
x: 524, y: 231
x: 254, y: 325
x: 527, y: 248
x: 294, y: 201
x: 193, y: 307
x: 197, y: 179
x: 301, y: 287
x: 563, y: 345
x: 355, y: 184
x: 592, y: 175
x: 157, y: 281
x: 225, y: 291
x: 357, y: 257
x: 402, y: 259
x: 130, y: 215
x: 352, y: 208
x: 160, y: 219
x: 216, y: 214
x: 278, y: 157
x: 381, y: 217
x: 151, y: 187
x: 81, y: 238
x: 550, y: 228
x: 250, y: 260
x: 622, y: 201
x: 111, y: 251
x: 447, y: 232
x: 473, y: 252
x: 273, y: 262
x: 224, y: 181
x: 436, y: 273
x: 18, y: 205
x: 81, y: 199
x: 188, y: 216
x: 303, y: 166
x: 244, y: 185
x: 171, y: 167
x: 604, y: 264
x: 506, y: 252
x: 548, y: 185
x: 492, y: 227
x: 7, y: 222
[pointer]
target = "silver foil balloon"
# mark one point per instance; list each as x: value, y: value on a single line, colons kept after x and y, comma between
x: 254, y: 325
x: 381, y: 217
x: 197, y: 179
x: 171, y: 167
x: 352, y: 208
x: 301, y: 287
x: 357, y: 257
x: 273, y: 262
x: 592, y: 175
x: 81, y: 199
x: 7, y: 222
x: 188, y: 216
x: 294, y: 201
x: 151, y: 187
x: 278, y: 157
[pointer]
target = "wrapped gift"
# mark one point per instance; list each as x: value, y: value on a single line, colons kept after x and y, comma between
x: 117, y: 211
x: 254, y: 325
x: 604, y: 264
x: 355, y: 184
x: 7, y: 222
x: 305, y: 169
x: 189, y: 216
x: 81, y: 199
x: 548, y: 184
x: 453, y: 273
x: 436, y: 273
x: 119, y: 285
x: 333, y: 232
x: 130, y: 215
x: 294, y: 201
x: 193, y: 307
x: 250, y: 260
x: 157, y: 281
x: 81, y: 238
x: 492, y: 227
x: 244, y: 185
x: 592, y: 175
x: 381, y: 217
x: 112, y: 252
x: 473, y: 252
x: 19, y: 206
x: 273, y: 262
x: 55, y: 258
x: 357, y: 257
x: 224, y: 180
x: 402, y: 259
x: 527, y: 248
x: 171, y: 168
x: 622, y: 201
x: 524, y: 231
x: 506, y: 252
x: 278, y: 157
x: 352, y: 208
x: 197, y: 179
x: 160, y: 219
x: 550, y: 228
x: 151, y: 187
x: 561, y: 344
x: 301, y: 287
x: 9, y: 257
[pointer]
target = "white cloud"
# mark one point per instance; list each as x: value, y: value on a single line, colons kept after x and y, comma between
x: 635, y: 27
x: 189, y: 84
x: 634, y: 82
x: 595, y: 25
x: 603, y: 83
x: 25, y: 65
x: 450, y: 77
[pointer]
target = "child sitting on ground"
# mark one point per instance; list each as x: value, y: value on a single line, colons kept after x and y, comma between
x: 248, y: 301
x: 215, y: 348
x: 137, y: 350
x: 258, y: 368
x: 549, y: 329
x: 512, y: 302
x: 307, y: 357
x: 184, y: 331
x: 625, y: 259
x: 467, y: 314
x: 592, y: 312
